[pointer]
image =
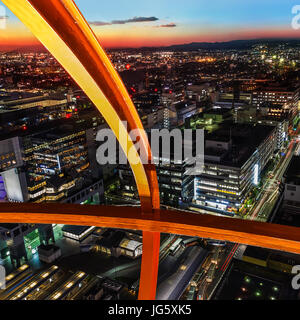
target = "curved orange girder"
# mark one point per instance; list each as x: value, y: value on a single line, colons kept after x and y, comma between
x: 273, y: 236
x: 62, y: 29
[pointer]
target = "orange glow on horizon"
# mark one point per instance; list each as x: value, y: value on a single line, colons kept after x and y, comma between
x: 16, y: 36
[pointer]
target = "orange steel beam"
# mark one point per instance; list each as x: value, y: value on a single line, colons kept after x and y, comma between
x: 62, y: 29
x: 273, y: 236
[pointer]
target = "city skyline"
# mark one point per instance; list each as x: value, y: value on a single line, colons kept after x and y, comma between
x: 135, y: 24
x: 203, y: 203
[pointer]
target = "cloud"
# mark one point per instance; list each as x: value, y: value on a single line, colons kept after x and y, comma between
x: 99, y: 23
x: 133, y: 20
x: 169, y: 25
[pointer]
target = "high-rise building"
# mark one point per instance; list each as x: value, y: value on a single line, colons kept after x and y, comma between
x: 284, y: 96
x: 234, y: 159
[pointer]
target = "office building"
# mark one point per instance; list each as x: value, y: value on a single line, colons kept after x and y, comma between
x: 234, y: 159
x: 288, y: 97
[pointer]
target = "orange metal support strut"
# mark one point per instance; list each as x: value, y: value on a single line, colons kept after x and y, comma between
x: 253, y: 233
x: 62, y: 29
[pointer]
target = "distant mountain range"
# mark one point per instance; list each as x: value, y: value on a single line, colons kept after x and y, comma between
x: 229, y: 45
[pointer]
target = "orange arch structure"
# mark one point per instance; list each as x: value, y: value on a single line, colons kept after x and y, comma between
x: 62, y: 29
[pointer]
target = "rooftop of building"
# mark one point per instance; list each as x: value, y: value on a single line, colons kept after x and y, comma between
x: 276, y: 88
x: 288, y: 215
x: 49, y: 248
x: 53, y: 129
x: 14, y: 99
x: 257, y: 253
x: 216, y: 111
x: 59, y: 132
x: 247, y: 281
x: 57, y: 181
x: 216, y: 136
x: 274, y: 255
x: 35, y: 129
x: 185, y: 104
x: 292, y: 174
x: 76, y: 230
x: 245, y: 139
x: 130, y: 244
x: 111, y: 238
x: 8, y: 226
x: 229, y: 103
x: 16, y: 95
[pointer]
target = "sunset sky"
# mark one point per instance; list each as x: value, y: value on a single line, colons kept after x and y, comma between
x: 135, y: 23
